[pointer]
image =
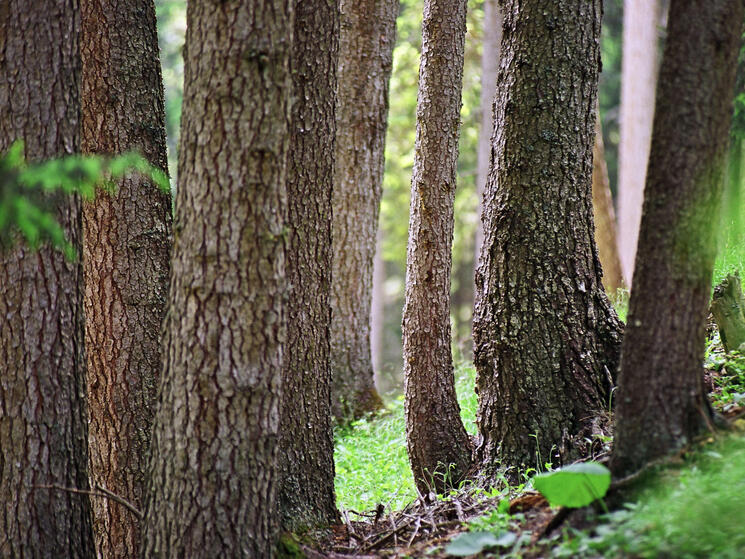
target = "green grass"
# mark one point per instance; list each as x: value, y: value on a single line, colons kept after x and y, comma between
x: 695, y: 511
x: 371, y: 463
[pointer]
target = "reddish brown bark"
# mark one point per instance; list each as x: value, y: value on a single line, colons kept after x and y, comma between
x: 126, y: 258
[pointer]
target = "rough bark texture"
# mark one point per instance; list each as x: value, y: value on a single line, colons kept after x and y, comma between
x: 43, y: 423
x: 638, y: 79
x: 661, y: 402
x: 546, y: 338
x: 439, y: 448
x: 490, y: 55
x: 306, y: 491
x: 212, y: 487
x: 728, y: 308
x: 366, y: 40
x: 126, y: 258
x: 605, y: 217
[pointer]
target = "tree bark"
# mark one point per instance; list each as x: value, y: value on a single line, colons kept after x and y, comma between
x: 212, y: 486
x: 367, y: 37
x: 490, y: 56
x: 439, y: 448
x: 306, y: 491
x: 661, y: 401
x: 546, y: 337
x: 43, y: 422
x: 728, y: 308
x: 605, y: 218
x: 126, y: 258
x: 638, y: 79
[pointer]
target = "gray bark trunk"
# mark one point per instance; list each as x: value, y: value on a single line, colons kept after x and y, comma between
x: 367, y: 37
x: 43, y: 423
x: 306, y: 493
x: 546, y: 337
x: 126, y: 258
x: 661, y: 403
x: 212, y: 486
x: 439, y: 448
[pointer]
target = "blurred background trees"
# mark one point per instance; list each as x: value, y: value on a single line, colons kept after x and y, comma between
x: 399, y: 159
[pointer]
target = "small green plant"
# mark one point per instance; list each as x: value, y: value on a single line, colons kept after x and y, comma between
x: 574, y: 486
x: 29, y: 191
x: 471, y: 543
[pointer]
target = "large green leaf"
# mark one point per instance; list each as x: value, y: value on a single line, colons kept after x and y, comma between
x: 470, y: 543
x: 574, y: 486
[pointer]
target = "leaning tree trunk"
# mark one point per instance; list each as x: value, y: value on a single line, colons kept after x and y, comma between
x: 638, y: 79
x: 212, y: 486
x: 43, y: 423
x: 546, y: 337
x: 366, y: 40
x: 605, y: 217
x: 439, y: 448
x: 661, y: 401
x: 306, y: 486
x: 126, y: 258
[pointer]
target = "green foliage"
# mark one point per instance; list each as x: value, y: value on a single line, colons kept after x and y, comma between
x: 574, y: 486
x: 29, y: 191
x: 372, y: 466
x: 470, y: 543
x: 697, y: 511
x: 729, y: 386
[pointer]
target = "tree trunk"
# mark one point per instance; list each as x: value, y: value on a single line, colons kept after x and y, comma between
x: 377, y: 306
x: 661, y: 402
x: 126, y: 258
x: 546, y: 338
x: 212, y: 486
x: 43, y: 423
x: 605, y: 218
x: 306, y: 490
x: 367, y: 37
x: 490, y: 55
x: 638, y: 79
x: 728, y: 308
x: 439, y: 448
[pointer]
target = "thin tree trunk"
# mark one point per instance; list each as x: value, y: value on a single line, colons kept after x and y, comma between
x: 546, y: 337
x: 367, y: 37
x: 377, y: 313
x: 126, y: 258
x: 638, y: 79
x: 439, y: 448
x: 661, y: 400
x: 306, y: 491
x: 43, y: 418
x: 212, y: 486
x: 605, y: 218
x: 490, y: 55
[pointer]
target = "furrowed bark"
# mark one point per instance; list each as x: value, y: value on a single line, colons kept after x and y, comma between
x: 43, y: 418
x: 126, y: 258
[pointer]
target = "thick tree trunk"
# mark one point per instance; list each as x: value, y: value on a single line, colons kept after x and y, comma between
x: 661, y: 403
x: 439, y: 448
x: 605, y: 218
x: 638, y: 79
x: 126, y: 258
x: 490, y: 55
x: 546, y: 338
x: 212, y: 486
x: 306, y: 491
x: 43, y: 422
x: 367, y: 37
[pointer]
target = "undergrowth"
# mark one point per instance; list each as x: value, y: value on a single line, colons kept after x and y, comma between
x: 372, y: 467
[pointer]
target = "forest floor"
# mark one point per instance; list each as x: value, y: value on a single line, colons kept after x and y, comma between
x: 690, y: 505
